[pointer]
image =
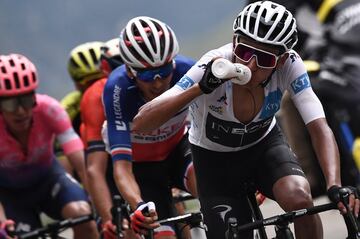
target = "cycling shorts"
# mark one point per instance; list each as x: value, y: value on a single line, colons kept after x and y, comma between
x: 23, y: 205
x: 222, y: 177
x: 156, y: 178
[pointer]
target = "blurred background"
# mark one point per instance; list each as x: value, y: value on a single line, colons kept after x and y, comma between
x: 46, y: 31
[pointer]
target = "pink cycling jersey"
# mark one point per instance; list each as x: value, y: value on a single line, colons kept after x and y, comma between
x: 49, y: 121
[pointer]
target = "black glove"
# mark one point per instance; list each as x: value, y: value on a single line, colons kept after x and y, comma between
x: 209, y: 82
x: 335, y: 191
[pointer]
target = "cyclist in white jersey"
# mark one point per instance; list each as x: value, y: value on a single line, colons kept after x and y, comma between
x: 234, y: 136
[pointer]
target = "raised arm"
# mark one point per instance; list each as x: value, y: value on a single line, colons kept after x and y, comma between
x: 156, y: 112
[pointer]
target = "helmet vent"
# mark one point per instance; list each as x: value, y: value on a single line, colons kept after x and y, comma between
x: 138, y: 38
x: 73, y: 62
x: 171, y: 46
x: 83, y: 59
x: 33, y: 77
x: 12, y: 63
x: 274, y: 17
x: 279, y: 27
x: 147, y: 52
x: 123, y: 55
x: 8, y: 84
x: 263, y: 14
x: 3, y: 69
x: 22, y: 66
x: 93, y: 56
x: 16, y: 79
x: 151, y: 37
x: 26, y: 81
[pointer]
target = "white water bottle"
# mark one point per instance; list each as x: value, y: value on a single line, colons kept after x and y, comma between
x: 225, y: 69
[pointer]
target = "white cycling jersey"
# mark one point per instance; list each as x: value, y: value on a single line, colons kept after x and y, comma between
x: 214, y: 125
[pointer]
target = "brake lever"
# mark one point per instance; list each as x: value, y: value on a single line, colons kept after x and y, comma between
x: 354, y: 230
x: 146, y: 213
x: 117, y: 214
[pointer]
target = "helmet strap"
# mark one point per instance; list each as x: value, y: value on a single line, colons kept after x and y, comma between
x: 266, y: 82
x: 129, y: 73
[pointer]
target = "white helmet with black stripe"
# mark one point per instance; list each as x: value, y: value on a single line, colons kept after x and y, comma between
x: 146, y: 42
x: 269, y: 23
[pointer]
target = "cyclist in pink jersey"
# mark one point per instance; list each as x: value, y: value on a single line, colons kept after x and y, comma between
x: 31, y: 180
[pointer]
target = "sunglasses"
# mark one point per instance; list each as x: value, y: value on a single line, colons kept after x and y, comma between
x: 12, y: 104
x: 264, y: 59
x: 151, y: 74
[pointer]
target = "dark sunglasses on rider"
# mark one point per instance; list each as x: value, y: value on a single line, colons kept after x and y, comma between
x: 264, y: 59
x: 12, y: 104
x: 150, y: 75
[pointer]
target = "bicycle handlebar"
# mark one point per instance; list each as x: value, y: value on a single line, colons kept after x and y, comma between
x: 54, y: 228
x: 286, y: 217
x: 182, y: 197
x: 193, y: 219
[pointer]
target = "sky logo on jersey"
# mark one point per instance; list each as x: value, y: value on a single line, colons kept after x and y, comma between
x: 271, y: 104
x: 185, y: 82
x: 300, y: 83
x: 120, y: 125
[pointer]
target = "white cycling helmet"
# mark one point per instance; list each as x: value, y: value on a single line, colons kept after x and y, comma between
x: 110, y: 56
x: 146, y: 42
x: 267, y: 22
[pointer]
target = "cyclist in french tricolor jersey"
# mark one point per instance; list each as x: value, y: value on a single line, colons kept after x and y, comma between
x: 147, y: 165
x: 31, y: 179
x: 234, y: 135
